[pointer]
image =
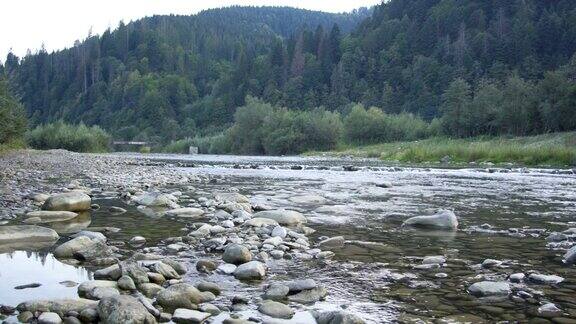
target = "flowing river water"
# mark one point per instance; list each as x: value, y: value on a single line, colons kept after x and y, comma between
x: 504, y: 214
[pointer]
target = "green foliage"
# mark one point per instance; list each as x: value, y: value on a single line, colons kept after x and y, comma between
x: 261, y: 128
x: 77, y: 138
x: 12, y: 118
x: 373, y: 125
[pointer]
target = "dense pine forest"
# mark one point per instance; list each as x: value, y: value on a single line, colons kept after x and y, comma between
x: 404, y: 70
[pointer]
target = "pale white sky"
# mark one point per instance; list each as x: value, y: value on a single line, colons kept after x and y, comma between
x: 26, y: 24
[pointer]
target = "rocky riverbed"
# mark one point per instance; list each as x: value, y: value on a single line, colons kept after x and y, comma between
x: 281, y: 240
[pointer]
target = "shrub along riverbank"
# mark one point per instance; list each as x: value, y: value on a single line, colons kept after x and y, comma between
x: 76, y: 138
x: 558, y: 149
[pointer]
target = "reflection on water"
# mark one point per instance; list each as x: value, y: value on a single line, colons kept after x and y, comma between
x: 21, y: 268
x: 74, y: 225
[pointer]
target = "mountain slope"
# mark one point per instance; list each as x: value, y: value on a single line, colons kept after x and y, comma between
x: 144, y: 78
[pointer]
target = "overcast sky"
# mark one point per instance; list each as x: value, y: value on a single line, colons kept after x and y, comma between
x: 26, y: 24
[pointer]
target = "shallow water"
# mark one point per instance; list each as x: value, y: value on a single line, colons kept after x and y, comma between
x: 22, y: 268
x: 373, y: 275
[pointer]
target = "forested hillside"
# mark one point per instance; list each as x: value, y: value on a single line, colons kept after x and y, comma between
x: 466, y: 68
x: 166, y: 76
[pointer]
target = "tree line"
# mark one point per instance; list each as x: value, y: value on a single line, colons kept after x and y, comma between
x: 459, y: 68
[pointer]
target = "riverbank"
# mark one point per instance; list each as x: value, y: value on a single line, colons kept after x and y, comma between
x: 556, y: 150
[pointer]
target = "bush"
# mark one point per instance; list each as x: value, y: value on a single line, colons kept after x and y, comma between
x: 77, y: 138
x: 374, y: 126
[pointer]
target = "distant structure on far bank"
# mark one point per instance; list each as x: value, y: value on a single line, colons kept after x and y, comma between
x: 193, y: 150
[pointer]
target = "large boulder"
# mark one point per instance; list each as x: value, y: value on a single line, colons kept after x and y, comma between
x: 276, y: 309
x: 70, y: 201
x: 60, y: 306
x: 124, y: 309
x: 26, y: 234
x: 95, y: 289
x: 179, y: 296
x: 48, y: 216
x: 443, y: 220
x: 83, y: 248
x: 156, y: 199
x: 283, y: 216
x: 189, y: 212
x: 252, y: 270
x: 188, y: 316
x: 237, y: 254
x: 138, y: 273
x: 570, y: 256
x: 490, y: 288
x: 260, y: 222
x: 336, y: 317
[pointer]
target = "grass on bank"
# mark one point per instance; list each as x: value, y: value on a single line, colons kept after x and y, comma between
x: 558, y: 149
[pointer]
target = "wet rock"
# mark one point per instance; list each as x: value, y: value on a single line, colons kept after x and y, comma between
x: 282, y: 216
x: 336, y: 317
x: 165, y: 270
x: 112, y: 272
x: 236, y: 254
x: 70, y: 201
x: 134, y: 271
x: 126, y: 283
x: 124, y: 309
x: 61, y: 306
x: 309, y: 296
x: 178, y: 266
x: 49, y: 318
x: 252, y: 270
x: 279, y: 231
x: 26, y: 234
x: 549, y: 310
x: 274, y: 241
x: 96, y: 288
x: 149, y: 289
x: 188, y: 316
x: 91, y: 235
x: 156, y: 199
x: 444, y: 220
x: 89, y: 315
x: 299, y: 285
x: 137, y: 240
x: 232, y: 197
x: 179, y: 296
x: 205, y: 266
x: 490, y: 288
x: 31, y: 285
x: 209, y: 308
x: 570, y: 256
x: 82, y: 245
x: 333, y: 242
x: 156, y: 278
x: 556, y: 237
x: 275, y: 309
x: 276, y: 292
x: 516, y: 277
x: 490, y: 263
x: 208, y: 286
x: 227, y: 268
x: 190, y: 212
x: 545, y: 279
x: 434, y: 259
x: 260, y: 222
x: 47, y: 216
x: 116, y: 210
